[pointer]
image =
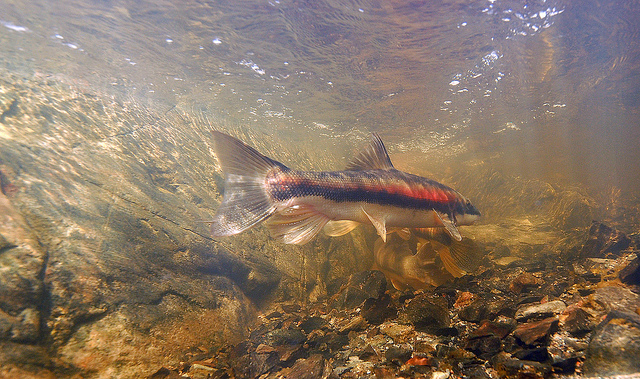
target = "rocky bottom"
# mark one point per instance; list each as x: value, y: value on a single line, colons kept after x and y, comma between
x: 575, y: 315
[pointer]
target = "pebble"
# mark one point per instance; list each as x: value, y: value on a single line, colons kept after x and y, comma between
x: 576, y: 320
x: 630, y: 273
x: 535, y: 331
x: 604, y: 242
x: 525, y: 282
x: 540, y: 310
x: 360, y: 287
x: 492, y: 328
x: 309, y: 368
x: 426, y: 313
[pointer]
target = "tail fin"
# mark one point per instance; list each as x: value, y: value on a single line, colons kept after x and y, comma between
x: 245, y: 201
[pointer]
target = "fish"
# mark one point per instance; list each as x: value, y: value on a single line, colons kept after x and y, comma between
x: 297, y: 205
x: 423, y: 257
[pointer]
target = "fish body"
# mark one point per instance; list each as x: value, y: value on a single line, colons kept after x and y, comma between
x: 297, y: 205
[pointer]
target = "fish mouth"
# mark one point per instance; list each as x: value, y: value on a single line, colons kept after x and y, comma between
x: 466, y: 214
x: 471, y: 210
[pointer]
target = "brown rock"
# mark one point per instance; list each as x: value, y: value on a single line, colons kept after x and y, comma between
x: 524, y: 282
x: 492, y: 328
x: 532, y: 332
x: 630, y: 273
x: 604, y: 242
x: 310, y: 368
x: 426, y: 313
x: 575, y: 320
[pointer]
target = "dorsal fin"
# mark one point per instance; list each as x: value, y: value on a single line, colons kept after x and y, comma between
x: 374, y: 157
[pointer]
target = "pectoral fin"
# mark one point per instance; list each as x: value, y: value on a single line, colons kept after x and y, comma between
x: 379, y: 224
x: 339, y: 228
x: 450, y: 226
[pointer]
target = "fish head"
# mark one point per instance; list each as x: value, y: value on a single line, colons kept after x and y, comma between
x: 465, y: 213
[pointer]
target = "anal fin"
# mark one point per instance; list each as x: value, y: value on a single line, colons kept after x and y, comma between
x: 296, y: 225
x: 339, y: 228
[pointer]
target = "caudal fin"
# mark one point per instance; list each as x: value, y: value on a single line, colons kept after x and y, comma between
x: 245, y: 202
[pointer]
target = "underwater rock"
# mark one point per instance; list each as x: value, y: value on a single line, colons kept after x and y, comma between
x: 525, y: 282
x: 547, y: 309
x: 313, y: 367
x: 604, y: 242
x: 615, y: 298
x: 531, y: 332
x: 426, y: 313
x: 398, y: 354
x: 361, y: 286
x: 499, y: 329
x: 575, y: 320
x: 512, y: 367
x: 630, y: 273
x: 538, y: 354
x: 102, y: 208
x: 376, y: 311
x: 485, y: 346
x: 614, y: 346
x: 21, y: 286
x: 484, y: 307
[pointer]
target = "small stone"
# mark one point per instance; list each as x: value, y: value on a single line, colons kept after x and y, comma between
x: 312, y: 323
x: 367, y: 353
x: 396, y: 331
x: 575, y: 320
x: 614, y: 346
x: 540, y: 310
x: 289, y: 336
x: 376, y: 311
x: 524, y: 282
x: 484, y: 347
x: 511, y: 367
x: 508, y: 261
x: 263, y: 349
x: 310, y: 368
x: 630, y: 274
x: 464, y: 299
x: 564, y: 352
x: 486, y: 307
x: 492, y: 328
x: 604, y: 242
x: 361, y: 286
x: 426, y: 314
x: 399, y: 354
x: 357, y: 323
x: 165, y: 373
x: 531, y: 332
x: 539, y: 354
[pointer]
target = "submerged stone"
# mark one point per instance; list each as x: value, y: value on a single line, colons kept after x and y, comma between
x: 540, y: 310
x: 630, y: 273
x: 532, y: 332
x: 426, y: 314
x: 360, y: 287
x: 614, y: 346
x: 604, y: 242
